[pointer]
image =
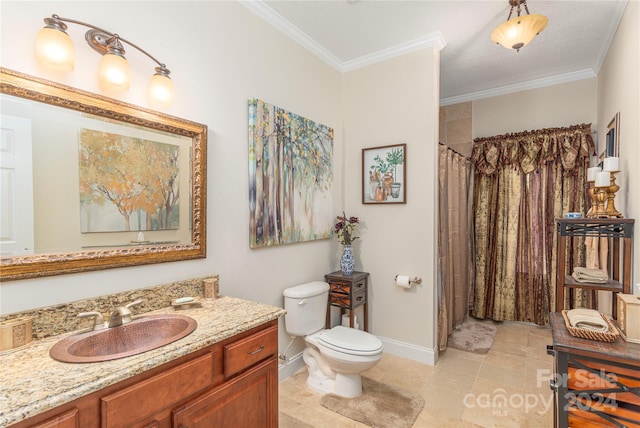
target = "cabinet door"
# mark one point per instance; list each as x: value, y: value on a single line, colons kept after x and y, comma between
x: 248, y: 401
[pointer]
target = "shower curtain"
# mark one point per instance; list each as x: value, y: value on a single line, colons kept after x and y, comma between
x: 522, y: 183
x: 454, y: 241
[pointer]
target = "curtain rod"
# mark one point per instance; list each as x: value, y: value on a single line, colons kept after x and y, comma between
x: 454, y: 151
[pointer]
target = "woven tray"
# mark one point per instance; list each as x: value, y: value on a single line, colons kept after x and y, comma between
x: 584, y: 333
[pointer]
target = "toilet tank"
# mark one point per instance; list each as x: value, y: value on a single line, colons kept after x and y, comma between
x: 306, y: 307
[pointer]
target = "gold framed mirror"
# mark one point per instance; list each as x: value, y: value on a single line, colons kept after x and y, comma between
x: 74, y: 223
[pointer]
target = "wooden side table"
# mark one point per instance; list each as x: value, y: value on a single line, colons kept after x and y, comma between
x: 348, y: 292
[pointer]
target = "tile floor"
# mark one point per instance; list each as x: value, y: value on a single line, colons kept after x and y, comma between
x: 461, y: 390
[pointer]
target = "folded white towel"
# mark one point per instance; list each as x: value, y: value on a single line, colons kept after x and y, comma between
x: 588, y: 319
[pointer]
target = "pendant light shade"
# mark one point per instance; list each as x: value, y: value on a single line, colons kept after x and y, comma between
x: 54, y: 48
x: 160, y: 92
x: 517, y: 32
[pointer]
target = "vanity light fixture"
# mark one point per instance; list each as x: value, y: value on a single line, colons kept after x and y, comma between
x: 55, y: 50
x: 519, y: 31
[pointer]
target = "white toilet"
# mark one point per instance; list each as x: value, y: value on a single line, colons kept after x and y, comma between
x: 335, y: 358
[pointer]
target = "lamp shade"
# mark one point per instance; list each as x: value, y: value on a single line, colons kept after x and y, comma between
x: 55, y: 50
x: 114, y: 73
x: 518, y: 32
x: 160, y: 92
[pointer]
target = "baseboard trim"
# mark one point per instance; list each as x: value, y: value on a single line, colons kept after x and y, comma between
x: 412, y: 352
x: 291, y: 367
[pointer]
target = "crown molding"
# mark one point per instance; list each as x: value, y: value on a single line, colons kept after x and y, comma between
x: 518, y: 87
x: 434, y: 40
x: 287, y: 28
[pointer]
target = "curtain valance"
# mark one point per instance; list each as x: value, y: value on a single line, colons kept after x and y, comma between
x: 529, y: 149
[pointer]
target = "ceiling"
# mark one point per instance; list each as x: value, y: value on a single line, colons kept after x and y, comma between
x: 348, y: 34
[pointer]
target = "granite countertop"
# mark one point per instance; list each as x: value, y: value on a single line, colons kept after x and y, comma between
x: 32, y: 382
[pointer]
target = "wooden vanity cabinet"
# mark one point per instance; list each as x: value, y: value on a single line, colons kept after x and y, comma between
x: 245, y: 401
x: 68, y: 419
x: 231, y: 383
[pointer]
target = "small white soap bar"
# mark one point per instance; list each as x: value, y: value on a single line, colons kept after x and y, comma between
x: 184, y: 300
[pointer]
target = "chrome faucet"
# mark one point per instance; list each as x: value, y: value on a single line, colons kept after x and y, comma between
x: 122, y: 315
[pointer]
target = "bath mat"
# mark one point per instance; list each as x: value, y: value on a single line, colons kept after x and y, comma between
x: 379, y: 406
x: 473, y: 335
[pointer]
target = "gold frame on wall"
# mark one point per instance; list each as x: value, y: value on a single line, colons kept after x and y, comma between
x: 611, y: 145
x: 41, y: 265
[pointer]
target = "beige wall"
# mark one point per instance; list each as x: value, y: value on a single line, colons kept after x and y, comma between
x: 554, y: 106
x: 221, y: 54
x: 619, y: 91
x: 391, y: 103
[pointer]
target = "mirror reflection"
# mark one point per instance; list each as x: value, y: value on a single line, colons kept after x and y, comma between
x: 94, y: 180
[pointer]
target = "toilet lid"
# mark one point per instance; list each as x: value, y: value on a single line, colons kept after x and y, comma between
x: 350, y: 341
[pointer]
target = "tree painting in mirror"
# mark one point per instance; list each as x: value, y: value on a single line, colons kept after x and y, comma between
x: 127, y: 183
x: 290, y: 177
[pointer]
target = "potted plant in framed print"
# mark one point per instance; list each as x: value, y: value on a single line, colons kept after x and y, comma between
x: 383, y: 174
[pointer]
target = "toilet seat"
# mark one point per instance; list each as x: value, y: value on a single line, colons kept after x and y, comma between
x: 350, y: 341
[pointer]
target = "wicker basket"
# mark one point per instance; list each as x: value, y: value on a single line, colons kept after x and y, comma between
x: 584, y: 333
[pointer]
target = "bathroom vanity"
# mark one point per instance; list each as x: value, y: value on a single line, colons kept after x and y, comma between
x: 223, y: 374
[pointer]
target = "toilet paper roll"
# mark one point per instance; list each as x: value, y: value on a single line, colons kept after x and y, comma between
x: 345, y: 320
x: 403, y: 281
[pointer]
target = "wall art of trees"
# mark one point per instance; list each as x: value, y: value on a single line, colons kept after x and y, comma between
x: 290, y: 177
x: 127, y: 183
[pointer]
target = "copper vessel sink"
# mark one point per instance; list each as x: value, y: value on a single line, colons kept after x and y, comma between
x: 140, y: 335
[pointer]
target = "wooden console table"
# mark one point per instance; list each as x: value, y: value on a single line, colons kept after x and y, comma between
x: 595, y: 384
x: 620, y: 232
x: 348, y: 292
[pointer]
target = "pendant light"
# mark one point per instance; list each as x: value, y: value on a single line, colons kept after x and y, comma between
x: 518, y: 32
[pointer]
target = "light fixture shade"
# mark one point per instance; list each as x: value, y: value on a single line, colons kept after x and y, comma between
x: 519, y: 31
x: 160, y: 92
x: 55, y: 50
x: 114, y: 73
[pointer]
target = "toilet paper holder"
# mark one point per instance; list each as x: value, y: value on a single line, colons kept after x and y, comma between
x: 413, y: 280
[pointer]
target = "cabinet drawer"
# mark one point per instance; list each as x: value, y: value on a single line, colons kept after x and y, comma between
x: 347, y: 287
x: 250, y: 350
x: 156, y: 393
x: 345, y: 301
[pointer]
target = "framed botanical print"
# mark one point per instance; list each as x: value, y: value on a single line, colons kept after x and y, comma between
x: 384, y: 170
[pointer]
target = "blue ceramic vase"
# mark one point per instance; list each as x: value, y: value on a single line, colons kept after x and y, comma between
x: 347, y: 261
